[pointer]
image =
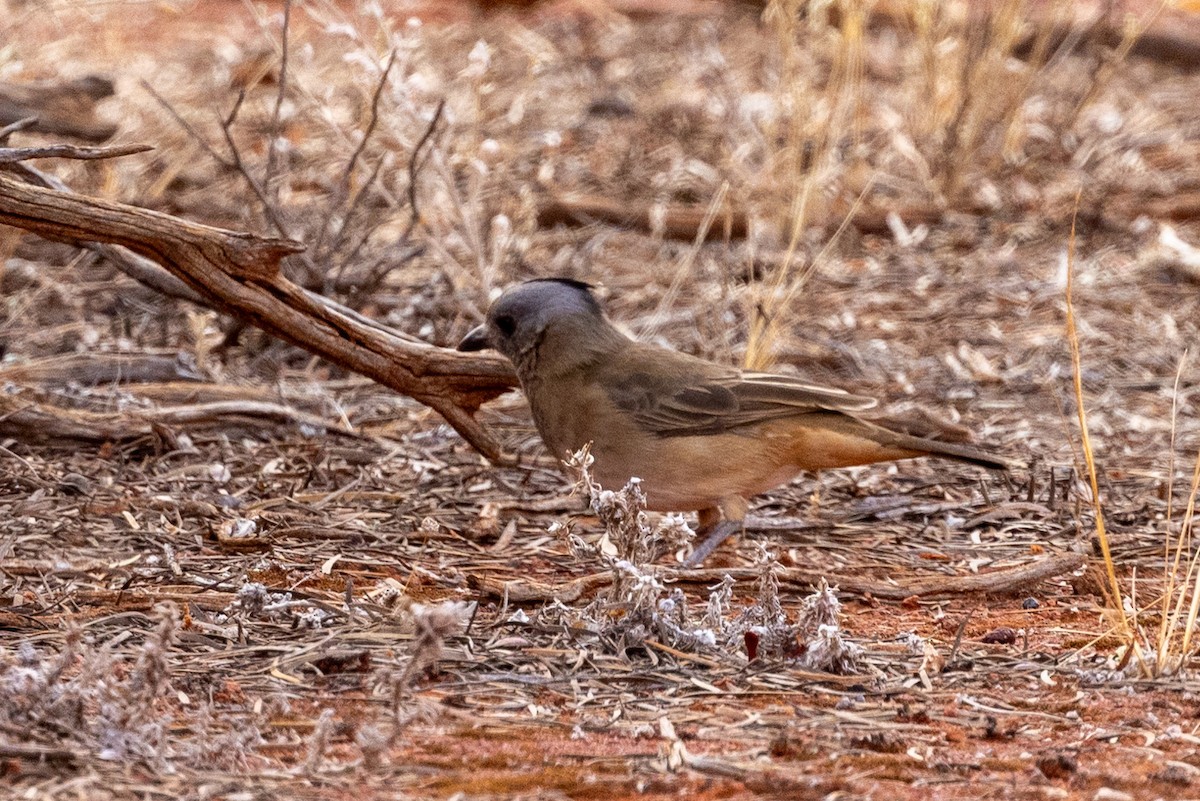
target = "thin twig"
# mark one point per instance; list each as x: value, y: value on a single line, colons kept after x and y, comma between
x: 412, y: 169
x: 349, y: 256
x: 13, y: 127
x: 239, y: 165
x: 958, y: 636
x: 79, y: 152
x: 348, y: 171
x: 273, y: 142
x: 269, y: 208
x: 344, y: 185
x: 185, y: 125
x: 374, y: 121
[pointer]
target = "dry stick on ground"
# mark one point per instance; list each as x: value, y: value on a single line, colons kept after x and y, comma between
x: 687, y: 222
x: 238, y: 274
x: 14, y: 154
x: 1001, y: 580
x: 94, y: 369
x: 38, y: 422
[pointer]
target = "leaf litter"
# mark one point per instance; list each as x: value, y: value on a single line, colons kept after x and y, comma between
x: 206, y: 606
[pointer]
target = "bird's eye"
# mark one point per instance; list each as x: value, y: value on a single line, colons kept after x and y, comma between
x: 506, y: 324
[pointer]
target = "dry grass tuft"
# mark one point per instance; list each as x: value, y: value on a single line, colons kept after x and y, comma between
x: 1165, y: 649
x: 965, y: 112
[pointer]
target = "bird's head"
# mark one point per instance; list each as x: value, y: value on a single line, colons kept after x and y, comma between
x: 520, y: 319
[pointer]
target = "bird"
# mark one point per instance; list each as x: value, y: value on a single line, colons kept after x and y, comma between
x: 700, y: 436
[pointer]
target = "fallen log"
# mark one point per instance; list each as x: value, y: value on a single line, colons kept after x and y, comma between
x: 96, y: 369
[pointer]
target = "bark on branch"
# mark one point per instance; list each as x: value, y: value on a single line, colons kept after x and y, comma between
x: 238, y: 274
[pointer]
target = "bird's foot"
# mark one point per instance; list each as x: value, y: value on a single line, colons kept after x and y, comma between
x: 716, y: 535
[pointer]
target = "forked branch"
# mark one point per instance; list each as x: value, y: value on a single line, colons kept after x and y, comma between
x: 238, y: 274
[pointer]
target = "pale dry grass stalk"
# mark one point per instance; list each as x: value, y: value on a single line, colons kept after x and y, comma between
x: 1178, y: 594
x: 967, y: 94
x: 985, y: 93
x: 687, y: 261
x: 1124, y: 629
x: 1106, y: 68
x: 1166, y: 650
x: 811, y: 158
x: 1039, y: 56
x: 1185, y: 592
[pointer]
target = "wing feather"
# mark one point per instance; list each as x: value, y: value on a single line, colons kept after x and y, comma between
x: 671, y: 394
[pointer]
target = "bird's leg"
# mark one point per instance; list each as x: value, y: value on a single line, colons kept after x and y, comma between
x: 715, y: 530
x: 715, y: 536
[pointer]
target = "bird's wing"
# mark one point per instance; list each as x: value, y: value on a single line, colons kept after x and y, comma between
x: 672, y: 394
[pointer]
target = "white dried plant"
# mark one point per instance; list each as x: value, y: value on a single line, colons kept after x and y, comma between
x: 639, y: 606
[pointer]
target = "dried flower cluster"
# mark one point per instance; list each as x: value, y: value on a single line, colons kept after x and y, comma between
x: 639, y: 606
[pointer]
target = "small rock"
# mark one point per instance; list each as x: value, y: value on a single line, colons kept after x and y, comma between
x: 75, y: 484
x: 1109, y: 794
x: 850, y: 701
x: 1030, y: 603
x: 1001, y: 636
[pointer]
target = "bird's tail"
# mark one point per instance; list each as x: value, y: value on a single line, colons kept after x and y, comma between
x: 958, y: 451
x: 840, y: 440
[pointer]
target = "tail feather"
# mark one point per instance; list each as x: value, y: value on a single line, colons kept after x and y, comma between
x: 957, y: 451
x: 896, y: 445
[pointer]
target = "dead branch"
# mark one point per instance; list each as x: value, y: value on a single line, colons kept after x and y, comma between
x: 95, y: 369
x: 679, y: 222
x: 144, y: 600
x: 181, y: 393
x: 31, y: 420
x: 526, y: 591
x: 146, y: 273
x: 83, y: 153
x: 238, y: 274
x: 685, y: 222
x: 42, y: 754
x: 1173, y: 37
x: 1181, y: 206
x: 140, y: 269
x: 1000, y: 581
x: 61, y: 108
